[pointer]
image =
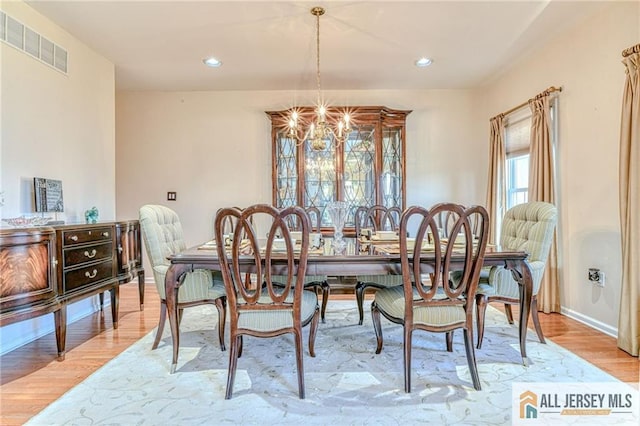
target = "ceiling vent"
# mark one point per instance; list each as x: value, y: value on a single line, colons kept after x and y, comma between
x: 16, y: 34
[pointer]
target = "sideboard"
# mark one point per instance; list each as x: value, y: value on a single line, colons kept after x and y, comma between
x: 44, y: 269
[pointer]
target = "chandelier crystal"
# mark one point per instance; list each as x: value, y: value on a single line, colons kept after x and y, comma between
x: 320, y: 131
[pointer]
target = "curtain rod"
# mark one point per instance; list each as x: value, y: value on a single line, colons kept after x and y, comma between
x: 629, y: 51
x: 546, y: 92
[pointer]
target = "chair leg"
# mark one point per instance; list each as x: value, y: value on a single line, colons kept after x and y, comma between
x: 234, y: 353
x: 297, y: 334
x: 449, y: 339
x: 325, y: 298
x: 312, y: 333
x: 471, y: 358
x: 407, y: 359
x: 221, y: 305
x: 360, y: 287
x: 163, y: 318
x: 536, y: 320
x: 508, y: 312
x: 375, y: 315
x: 481, y: 309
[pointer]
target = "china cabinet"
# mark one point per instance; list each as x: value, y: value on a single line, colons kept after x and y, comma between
x: 364, y: 168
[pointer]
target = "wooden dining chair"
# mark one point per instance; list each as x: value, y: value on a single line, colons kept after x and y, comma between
x: 162, y: 235
x: 259, y: 306
x: 439, y: 304
x: 376, y: 218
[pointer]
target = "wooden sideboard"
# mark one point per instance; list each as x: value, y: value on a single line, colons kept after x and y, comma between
x: 44, y: 269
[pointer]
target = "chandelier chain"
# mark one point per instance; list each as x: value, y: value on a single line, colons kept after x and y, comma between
x: 318, y: 13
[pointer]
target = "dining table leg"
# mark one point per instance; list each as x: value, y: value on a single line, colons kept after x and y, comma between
x: 522, y: 274
x: 172, y: 283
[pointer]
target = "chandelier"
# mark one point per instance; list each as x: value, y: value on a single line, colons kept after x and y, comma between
x: 320, y: 130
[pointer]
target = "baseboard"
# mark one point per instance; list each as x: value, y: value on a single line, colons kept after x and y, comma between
x: 593, y: 323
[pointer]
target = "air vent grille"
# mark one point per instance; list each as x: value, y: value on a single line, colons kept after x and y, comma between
x: 16, y: 34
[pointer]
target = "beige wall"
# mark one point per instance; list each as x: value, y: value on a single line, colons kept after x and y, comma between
x: 214, y: 149
x: 586, y: 62
x: 55, y: 126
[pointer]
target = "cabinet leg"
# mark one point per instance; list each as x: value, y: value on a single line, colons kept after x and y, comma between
x: 115, y: 291
x: 60, y: 319
x: 101, y: 297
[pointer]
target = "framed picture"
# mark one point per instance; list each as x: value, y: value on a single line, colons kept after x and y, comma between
x: 48, y: 195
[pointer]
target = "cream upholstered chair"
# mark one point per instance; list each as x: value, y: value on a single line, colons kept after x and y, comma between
x: 438, y: 304
x: 376, y: 218
x: 258, y: 305
x: 527, y: 227
x: 162, y: 235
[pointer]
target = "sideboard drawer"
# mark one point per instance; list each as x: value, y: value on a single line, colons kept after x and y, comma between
x: 92, y: 253
x: 79, y: 236
x: 88, y: 275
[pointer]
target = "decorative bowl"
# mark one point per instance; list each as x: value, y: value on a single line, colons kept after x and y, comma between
x: 26, y: 222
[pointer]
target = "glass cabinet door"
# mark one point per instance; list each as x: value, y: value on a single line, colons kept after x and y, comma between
x: 365, y: 169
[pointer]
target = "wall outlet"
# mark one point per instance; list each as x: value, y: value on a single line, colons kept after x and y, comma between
x: 172, y: 196
x: 596, y: 276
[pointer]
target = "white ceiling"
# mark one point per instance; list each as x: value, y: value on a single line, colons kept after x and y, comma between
x: 270, y: 45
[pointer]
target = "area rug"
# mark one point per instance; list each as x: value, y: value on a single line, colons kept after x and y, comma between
x: 346, y: 383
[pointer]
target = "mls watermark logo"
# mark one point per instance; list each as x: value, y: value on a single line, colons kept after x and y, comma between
x: 593, y: 403
x: 528, y: 405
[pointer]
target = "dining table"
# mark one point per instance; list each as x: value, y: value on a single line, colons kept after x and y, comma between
x: 359, y: 258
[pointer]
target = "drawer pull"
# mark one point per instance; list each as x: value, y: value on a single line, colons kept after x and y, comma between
x: 105, y: 234
x: 92, y: 254
x: 92, y: 274
x: 73, y: 238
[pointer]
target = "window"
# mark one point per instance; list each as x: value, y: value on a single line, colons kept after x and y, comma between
x: 517, y: 180
x: 517, y: 141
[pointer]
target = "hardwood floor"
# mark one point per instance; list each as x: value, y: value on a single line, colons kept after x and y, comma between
x: 31, y: 378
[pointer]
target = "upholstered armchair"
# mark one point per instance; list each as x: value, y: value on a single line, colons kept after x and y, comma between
x: 162, y: 236
x: 526, y: 227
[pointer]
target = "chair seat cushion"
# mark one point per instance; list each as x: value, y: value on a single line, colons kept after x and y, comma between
x: 278, y: 319
x: 391, y: 301
x: 201, y: 284
x: 383, y: 280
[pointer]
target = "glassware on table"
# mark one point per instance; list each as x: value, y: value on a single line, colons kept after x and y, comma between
x: 338, y: 214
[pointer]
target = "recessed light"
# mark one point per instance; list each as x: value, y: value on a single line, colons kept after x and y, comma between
x: 424, y: 62
x: 212, y: 62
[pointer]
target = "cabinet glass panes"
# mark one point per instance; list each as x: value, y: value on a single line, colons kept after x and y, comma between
x: 287, y: 176
x: 365, y: 169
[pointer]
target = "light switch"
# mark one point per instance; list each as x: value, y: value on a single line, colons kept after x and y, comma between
x: 171, y: 196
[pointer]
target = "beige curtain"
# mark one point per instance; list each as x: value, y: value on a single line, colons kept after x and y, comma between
x: 542, y: 188
x: 629, y: 319
x: 496, y: 187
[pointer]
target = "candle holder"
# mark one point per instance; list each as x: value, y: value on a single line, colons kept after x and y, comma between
x: 338, y: 214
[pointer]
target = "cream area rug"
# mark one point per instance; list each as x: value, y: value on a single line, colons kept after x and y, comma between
x: 346, y: 383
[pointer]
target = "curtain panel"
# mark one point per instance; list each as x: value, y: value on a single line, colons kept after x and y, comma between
x: 542, y: 188
x: 629, y: 317
x: 496, y: 187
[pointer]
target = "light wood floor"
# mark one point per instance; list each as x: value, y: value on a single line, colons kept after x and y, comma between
x: 31, y: 378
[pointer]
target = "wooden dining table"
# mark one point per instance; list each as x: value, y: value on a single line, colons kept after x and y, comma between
x: 358, y: 259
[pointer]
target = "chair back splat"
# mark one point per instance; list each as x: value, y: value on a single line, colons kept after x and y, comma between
x: 259, y: 305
